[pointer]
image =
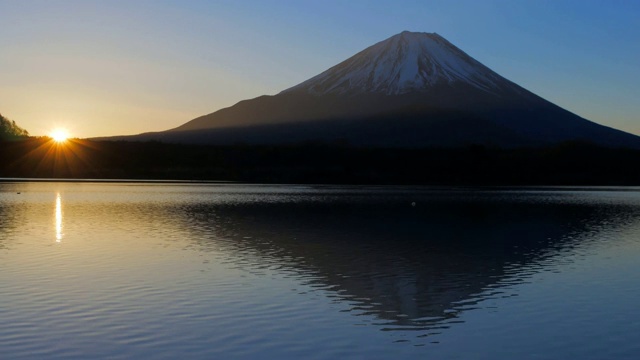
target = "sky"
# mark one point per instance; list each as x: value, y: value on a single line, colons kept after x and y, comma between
x: 101, y: 68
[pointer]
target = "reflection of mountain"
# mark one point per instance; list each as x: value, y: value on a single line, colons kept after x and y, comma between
x: 407, y: 266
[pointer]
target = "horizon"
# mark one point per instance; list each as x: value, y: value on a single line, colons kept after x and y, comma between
x: 118, y: 69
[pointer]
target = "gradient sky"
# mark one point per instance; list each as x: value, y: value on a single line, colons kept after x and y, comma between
x: 103, y: 68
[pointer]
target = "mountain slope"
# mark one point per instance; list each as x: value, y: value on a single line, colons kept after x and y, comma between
x: 411, y: 90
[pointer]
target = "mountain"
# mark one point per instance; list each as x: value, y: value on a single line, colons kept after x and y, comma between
x: 410, y: 90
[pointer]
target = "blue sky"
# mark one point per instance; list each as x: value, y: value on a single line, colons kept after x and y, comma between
x: 124, y: 67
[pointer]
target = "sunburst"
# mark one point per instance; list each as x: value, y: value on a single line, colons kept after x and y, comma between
x: 59, y: 135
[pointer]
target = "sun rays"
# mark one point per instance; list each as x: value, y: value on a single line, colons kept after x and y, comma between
x: 57, y: 157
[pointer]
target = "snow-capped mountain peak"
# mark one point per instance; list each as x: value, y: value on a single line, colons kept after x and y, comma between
x: 403, y: 63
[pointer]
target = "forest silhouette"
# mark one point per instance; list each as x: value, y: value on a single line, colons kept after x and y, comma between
x: 570, y: 163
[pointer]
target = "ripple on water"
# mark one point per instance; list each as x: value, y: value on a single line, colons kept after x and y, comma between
x: 165, y: 271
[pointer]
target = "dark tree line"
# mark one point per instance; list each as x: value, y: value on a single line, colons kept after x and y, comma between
x: 10, y: 131
x: 565, y: 164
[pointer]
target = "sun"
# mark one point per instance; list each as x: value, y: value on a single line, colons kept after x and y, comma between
x: 59, y: 135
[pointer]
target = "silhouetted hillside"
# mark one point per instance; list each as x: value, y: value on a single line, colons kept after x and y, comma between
x: 9, y: 130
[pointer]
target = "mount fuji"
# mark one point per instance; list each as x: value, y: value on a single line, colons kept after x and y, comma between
x: 411, y: 90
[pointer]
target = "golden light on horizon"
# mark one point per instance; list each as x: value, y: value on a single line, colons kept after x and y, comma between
x: 59, y: 158
x: 59, y: 135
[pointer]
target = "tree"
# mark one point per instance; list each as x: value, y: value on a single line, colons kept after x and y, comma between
x: 10, y: 130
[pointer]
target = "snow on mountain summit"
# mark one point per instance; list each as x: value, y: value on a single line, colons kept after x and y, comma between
x: 403, y: 63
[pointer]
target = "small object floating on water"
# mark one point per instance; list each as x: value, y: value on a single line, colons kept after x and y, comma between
x: 18, y: 193
x: 413, y: 203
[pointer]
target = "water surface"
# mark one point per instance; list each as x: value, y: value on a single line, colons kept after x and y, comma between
x: 138, y: 270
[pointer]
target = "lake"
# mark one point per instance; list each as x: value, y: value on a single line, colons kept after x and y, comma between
x: 158, y: 270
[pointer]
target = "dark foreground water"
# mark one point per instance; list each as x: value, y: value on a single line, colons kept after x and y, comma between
x: 133, y: 270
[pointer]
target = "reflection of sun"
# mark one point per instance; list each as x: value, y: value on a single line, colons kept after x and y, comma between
x: 58, y: 218
x: 59, y: 135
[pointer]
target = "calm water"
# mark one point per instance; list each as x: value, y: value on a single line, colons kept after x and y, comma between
x: 134, y: 270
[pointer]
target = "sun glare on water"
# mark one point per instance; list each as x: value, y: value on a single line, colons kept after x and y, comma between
x: 59, y: 135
